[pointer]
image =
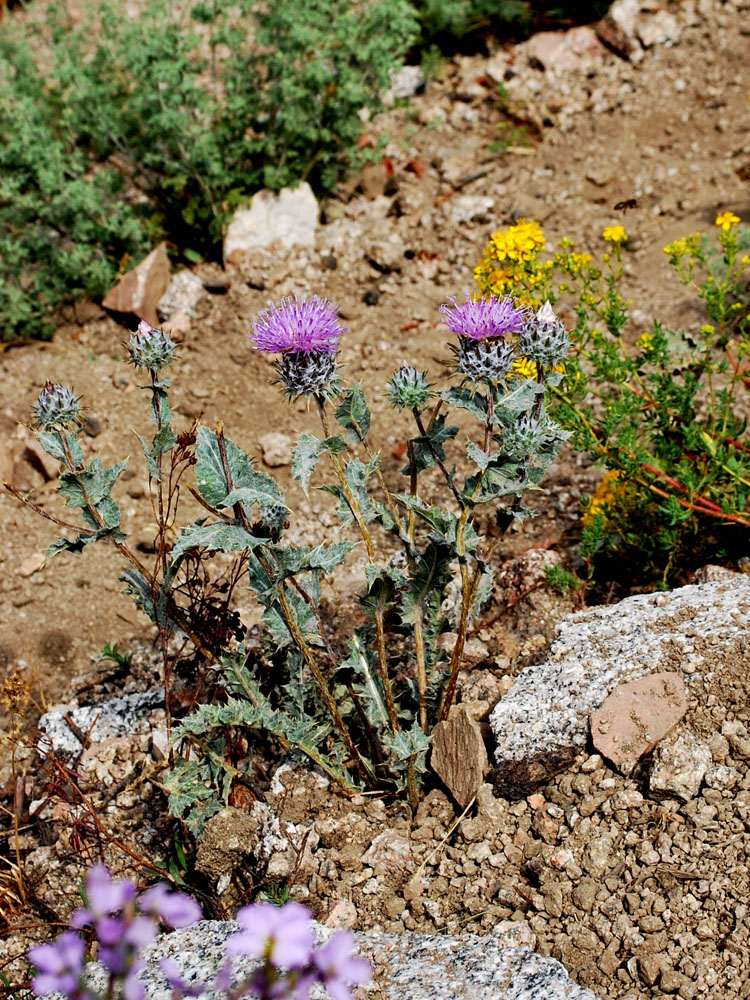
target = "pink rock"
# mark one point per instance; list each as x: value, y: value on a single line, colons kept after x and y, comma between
x: 571, y: 50
x: 343, y: 914
x: 389, y: 851
x: 140, y: 290
x: 276, y: 448
x: 32, y: 564
x: 636, y: 716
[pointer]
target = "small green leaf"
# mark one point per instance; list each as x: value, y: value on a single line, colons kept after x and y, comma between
x: 209, y: 469
x: 307, y: 454
x: 353, y: 414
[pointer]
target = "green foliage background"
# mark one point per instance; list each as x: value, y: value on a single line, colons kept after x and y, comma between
x: 118, y: 132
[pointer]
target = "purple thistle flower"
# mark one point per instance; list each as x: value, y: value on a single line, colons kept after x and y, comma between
x: 337, y: 966
x: 60, y: 965
x: 298, y: 326
x: 281, y: 934
x: 482, y: 319
x: 174, y: 908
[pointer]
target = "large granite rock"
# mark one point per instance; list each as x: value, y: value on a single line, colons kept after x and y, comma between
x: 116, y: 717
x: 406, y: 966
x: 542, y: 722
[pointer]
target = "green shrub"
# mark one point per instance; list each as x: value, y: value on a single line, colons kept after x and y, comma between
x: 63, y: 229
x: 162, y: 124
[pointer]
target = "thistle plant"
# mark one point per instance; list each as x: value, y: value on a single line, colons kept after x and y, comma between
x: 360, y: 704
x: 123, y: 923
x: 662, y: 410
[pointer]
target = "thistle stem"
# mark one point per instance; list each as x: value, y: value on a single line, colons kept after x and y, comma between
x: 438, y: 461
x: 291, y: 622
x: 418, y: 631
x: 379, y: 617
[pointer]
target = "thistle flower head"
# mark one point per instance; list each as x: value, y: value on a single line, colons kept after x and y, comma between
x: 484, y: 360
x: 307, y: 374
x: 298, y: 326
x: 483, y: 319
x: 150, y: 348
x: 544, y: 338
x: 409, y: 389
x: 528, y: 435
x: 56, y: 406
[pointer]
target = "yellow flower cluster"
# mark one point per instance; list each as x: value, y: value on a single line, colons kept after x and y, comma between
x: 684, y: 247
x: 615, y: 234
x: 524, y: 241
x: 524, y: 368
x: 511, y: 264
x: 606, y: 496
x: 646, y: 342
x: 726, y: 221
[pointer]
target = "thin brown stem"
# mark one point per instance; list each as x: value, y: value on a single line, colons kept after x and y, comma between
x: 438, y: 461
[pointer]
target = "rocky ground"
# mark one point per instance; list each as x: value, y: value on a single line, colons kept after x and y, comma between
x: 637, y: 897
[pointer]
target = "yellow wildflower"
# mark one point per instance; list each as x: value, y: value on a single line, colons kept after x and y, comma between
x: 615, y: 234
x: 520, y: 242
x: 646, y: 342
x: 524, y: 368
x: 726, y: 221
x: 604, y: 498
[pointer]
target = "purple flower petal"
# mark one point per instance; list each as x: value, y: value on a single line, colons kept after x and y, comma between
x: 481, y: 319
x: 299, y: 326
x: 140, y: 931
x: 60, y: 964
x: 174, y: 908
x: 282, y: 933
x: 132, y: 987
x: 105, y: 896
x: 335, y: 961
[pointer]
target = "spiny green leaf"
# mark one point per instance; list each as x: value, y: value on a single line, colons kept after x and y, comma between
x: 222, y: 537
x: 437, y: 434
x: 209, y: 469
x: 353, y: 414
x: 308, y: 452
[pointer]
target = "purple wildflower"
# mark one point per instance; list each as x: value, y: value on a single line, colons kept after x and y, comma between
x: 104, y: 897
x: 281, y: 934
x: 482, y: 319
x: 174, y: 908
x: 337, y: 966
x: 298, y: 326
x: 60, y: 965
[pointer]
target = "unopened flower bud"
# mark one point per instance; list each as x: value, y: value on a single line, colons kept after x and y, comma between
x: 544, y: 338
x: 409, y: 389
x: 484, y: 360
x: 150, y: 348
x: 56, y: 406
x: 273, y: 519
x: 528, y: 435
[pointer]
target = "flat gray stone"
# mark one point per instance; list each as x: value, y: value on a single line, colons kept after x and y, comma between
x: 115, y: 717
x: 406, y: 966
x: 542, y: 722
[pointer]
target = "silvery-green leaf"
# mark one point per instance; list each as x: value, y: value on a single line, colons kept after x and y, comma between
x: 209, y: 470
x: 353, y: 414
x: 222, y: 537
